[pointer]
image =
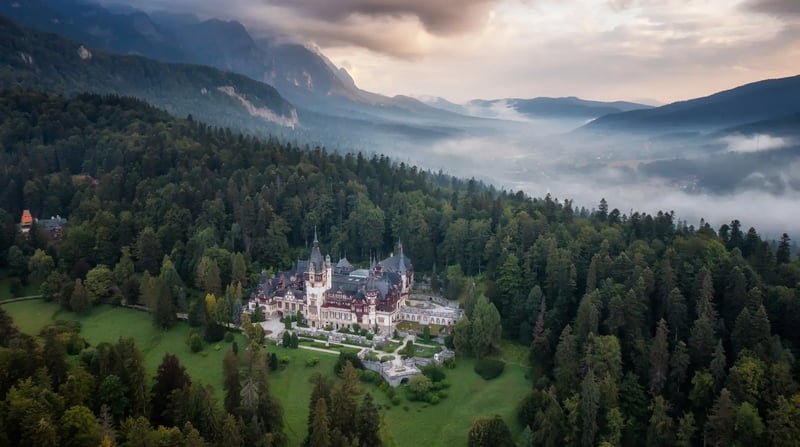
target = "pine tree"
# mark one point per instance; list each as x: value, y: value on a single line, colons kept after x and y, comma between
x: 548, y: 429
x: 148, y: 251
x: 164, y: 314
x: 686, y: 431
x: 321, y: 391
x: 589, y: 406
x: 705, y: 299
x: 238, y: 269
x: 735, y: 296
x: 701, y: 341
x: 587, y: 321
x: 368, y: 422
x: 665, y: 284
x: 740, y: 337
x: 749, y: 426
x: 677, y: 313
x: 169, y: 275
x: 319, y: 435
x: 661, y: 429
x: 230, y: 434
x: 565, y: 371
x: 208, y: 276
x: 538, y: 330
x: 721, y: 423
x: 485, y: 328
x: 678, y: 370
x: 659, y: 359
x: 79, y: 302
x: 784, y: 422
x: 760, y: 331
x: 784, y: 253
x: 171, y: 375
x: 718, y: 365
x: 232, y: 383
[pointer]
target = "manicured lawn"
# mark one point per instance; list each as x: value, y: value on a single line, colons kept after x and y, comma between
x: 108, y: 324
x: 292, y: 385
x: 448, y: 423
x: 31, y: 316
x: 418, y: 328
x: 331, y: 346
x: 391, y: 347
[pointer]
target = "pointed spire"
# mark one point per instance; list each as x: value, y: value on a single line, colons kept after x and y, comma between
x: 316, y: 257
x: 401, y: 267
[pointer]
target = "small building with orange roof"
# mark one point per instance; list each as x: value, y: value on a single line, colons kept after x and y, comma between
x: 26, y: 221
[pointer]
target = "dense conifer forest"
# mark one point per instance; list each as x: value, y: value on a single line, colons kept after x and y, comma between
x: 642, y: 329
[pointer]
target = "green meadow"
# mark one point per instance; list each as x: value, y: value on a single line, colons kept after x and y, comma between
x: 407, y: 424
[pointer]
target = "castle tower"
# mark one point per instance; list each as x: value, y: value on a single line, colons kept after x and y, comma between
x: 318, y: 281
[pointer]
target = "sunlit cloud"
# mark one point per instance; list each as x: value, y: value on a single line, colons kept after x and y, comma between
x: 662, y: 50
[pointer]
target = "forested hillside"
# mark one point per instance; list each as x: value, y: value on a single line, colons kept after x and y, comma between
x: 35, y: 59
x: 641, y: 328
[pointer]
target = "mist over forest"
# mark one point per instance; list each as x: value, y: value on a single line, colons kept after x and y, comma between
x: 752, y: 178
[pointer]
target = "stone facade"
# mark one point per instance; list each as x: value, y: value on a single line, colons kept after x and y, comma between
x: 337, y: 296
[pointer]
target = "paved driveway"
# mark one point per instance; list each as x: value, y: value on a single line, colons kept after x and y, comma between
x: 275, y: 327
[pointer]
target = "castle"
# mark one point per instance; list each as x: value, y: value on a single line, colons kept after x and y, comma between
x: 336, y: 296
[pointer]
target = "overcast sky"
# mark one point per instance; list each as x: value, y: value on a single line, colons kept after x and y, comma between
x: 645, y: 50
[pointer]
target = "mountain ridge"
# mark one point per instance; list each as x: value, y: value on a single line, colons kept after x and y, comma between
x: 49, y: 62
x: 748, y: 103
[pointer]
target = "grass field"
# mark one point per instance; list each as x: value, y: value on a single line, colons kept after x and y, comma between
x: 447, y: 423
x: 292, y: 385
x: 406, y: 425
x: 422, y: 424
x: 106, y: 323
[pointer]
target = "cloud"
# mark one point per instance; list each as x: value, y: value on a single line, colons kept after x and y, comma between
x: 779, y: 8
x: 437, y: 17
x: 755, y: 143
x: 666, y: 50
x: 403, y: 29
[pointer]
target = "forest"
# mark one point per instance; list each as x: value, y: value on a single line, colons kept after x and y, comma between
x: 642, y: 329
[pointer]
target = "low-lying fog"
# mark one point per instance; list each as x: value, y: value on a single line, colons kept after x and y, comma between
x: 755, y: 179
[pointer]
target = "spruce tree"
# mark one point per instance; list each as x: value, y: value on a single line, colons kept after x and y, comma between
x: 321, y: 390
x: 368, y: 423
x: 659, y: 359
x: 721, y: 424
x: 232, y: 383
x: 319, y: 435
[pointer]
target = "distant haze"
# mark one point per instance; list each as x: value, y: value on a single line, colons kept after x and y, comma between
x: 664, y: 50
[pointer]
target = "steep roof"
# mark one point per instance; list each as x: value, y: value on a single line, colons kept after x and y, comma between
x: 394, y: 264
x: 344, y: 264
x: 316, y: 258
x: 397, y: 263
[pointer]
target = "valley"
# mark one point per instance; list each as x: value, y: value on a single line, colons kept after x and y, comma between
x: 376, y: 223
